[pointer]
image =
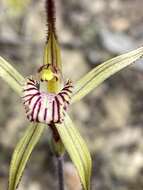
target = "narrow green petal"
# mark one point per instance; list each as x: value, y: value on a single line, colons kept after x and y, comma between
x: 22, y: 153
x: 96, y: 76
x: 11, y: 76
x: 77, y: 150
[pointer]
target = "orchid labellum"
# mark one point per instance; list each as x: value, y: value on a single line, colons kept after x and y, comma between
x: 45, y: 107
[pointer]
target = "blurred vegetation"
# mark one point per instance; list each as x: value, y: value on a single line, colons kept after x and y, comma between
x: 17, y: 6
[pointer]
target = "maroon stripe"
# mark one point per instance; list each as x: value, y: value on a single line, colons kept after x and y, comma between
x: 28, y: 89
x: 31, y: 80
x: 64, y: 93
x: 59, y: 99
x: 37, y: 116
x: 45, y: 114
x: 62, y: 97
x: 67, y: 87
x: 68, y: 90
x: 27, y: 95
x: 53, y: 112
x: 33, y: 109
x: 58, y: 108
x: 31, y: 83
x: 66, y: 106
x: 28, y: 117
x: 30, y: 99
x: 67, y: 102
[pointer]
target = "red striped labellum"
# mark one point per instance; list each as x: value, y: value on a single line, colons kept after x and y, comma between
x: 45, y: 107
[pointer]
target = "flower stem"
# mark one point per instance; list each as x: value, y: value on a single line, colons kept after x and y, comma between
x: 60, y: 163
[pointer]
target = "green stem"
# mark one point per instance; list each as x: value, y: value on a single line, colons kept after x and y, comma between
x: 60, y: 163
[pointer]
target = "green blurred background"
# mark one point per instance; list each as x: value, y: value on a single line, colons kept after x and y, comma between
x: 110, y: 118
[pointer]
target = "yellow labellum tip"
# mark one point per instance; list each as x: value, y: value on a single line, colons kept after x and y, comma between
x: 47, y: 75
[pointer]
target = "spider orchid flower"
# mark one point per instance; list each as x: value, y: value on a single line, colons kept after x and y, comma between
x: 47, y: 97
x: 45, y: 107
x: 48, y: 105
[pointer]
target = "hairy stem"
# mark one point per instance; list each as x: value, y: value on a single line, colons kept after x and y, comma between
x: 60, y: 163
x: 51, y: 17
